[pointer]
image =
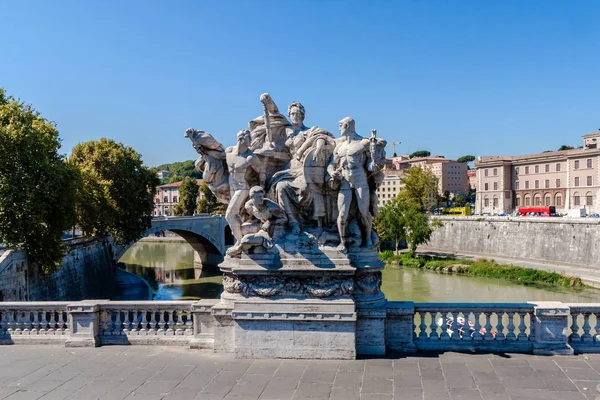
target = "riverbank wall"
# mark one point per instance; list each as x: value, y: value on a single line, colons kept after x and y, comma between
x: 86, y: 272
x: 562, y: 241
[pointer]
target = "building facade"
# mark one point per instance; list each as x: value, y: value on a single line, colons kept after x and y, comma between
x: 567, y: 180
x: 167, y: 196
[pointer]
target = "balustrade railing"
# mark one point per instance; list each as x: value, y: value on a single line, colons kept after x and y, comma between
x: 584, y: 327
x: 461, y: 326
x: 146, y: 321
x: 31, y: 322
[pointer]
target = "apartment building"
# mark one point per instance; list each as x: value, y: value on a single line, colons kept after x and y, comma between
x: 566, y: 179
x: 390, y: 187
x: 167, y: 196
x: 472, y: 174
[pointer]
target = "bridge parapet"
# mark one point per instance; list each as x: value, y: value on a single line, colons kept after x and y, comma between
x: 539, y: 328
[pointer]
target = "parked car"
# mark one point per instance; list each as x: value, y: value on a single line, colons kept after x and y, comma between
x: 593, y: 216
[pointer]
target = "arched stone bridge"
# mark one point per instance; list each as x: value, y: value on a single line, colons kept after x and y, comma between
x: 209, y: 235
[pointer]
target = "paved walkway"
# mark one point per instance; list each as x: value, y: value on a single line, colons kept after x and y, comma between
x: 137, y: 372
x: 589, y: 276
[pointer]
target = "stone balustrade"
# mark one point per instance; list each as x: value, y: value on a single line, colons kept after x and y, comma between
x: 534, y: 327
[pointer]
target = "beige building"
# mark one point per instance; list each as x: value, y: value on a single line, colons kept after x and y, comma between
x: 167, y: 196
x: 566, y: 179
x: 390, y: 187
x: 472, y: 174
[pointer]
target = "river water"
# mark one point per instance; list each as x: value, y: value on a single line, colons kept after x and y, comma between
x: 169, y: 269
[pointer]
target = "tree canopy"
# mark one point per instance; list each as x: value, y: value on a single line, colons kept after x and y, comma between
x: 37, y: 186
x: 565, y: 147
x: 208, y: 203
x: 188, y: 197
x: 420, y: 186
x: 180, y: 170
x: 117, y: 191
x: 466, y: 159
x: 420, y: 153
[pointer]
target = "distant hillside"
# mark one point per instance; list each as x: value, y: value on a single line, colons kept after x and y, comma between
x: 180, y: 170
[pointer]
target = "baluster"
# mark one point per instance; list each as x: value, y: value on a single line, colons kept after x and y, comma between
x: 500, y: 326
x: 597, y: 328
x: 10, y: 321
x: 444, y: 335
x: 477, y: 327
x: 574, y: 337
x: 52, y: 323
x: 433, y: 326
x: 153, y: 322
x: 414, y: 328
x: 510, y: 335
x: 522, y: 327
x: 144, y: 327
x: 488, y: 326
x: 179, y: 327
x: 64, y: 322
x: 422, y: 325
x: 35, y: 324
x: 586, y: 337
x: 117, y: 322
x: 467, y: 331
x: 18, y: 322
x: 455, y: 326
x: 126, y: 322
x: 161, y: 323
x: 106, y: 322
x: 43, y: 328
x: 135, y: 322
x: 170, y: 330
x: 189, y: 324
x: 2, y: 322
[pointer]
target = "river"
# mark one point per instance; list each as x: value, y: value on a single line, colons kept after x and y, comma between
x: 169, y: 269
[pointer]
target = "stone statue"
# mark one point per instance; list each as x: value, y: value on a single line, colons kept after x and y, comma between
x: 299, y: 188
x: 267, y: 223
x: 348, y: 168
x: 211, y: 162
x: 241, y: 162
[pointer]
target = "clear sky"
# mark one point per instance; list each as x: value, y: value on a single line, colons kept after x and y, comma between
x: 452, y: 77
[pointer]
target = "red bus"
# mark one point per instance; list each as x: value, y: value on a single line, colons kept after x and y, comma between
x: 549, y: 211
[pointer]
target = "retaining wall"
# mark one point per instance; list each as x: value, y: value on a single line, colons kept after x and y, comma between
x: 554, y: 240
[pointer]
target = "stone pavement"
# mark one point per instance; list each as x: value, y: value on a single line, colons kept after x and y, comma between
x: 137, y: 372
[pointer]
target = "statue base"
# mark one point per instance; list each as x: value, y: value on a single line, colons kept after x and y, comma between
x: 302, y: 302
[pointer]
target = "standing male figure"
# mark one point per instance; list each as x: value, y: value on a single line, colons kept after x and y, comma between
x: 240, y: 162
x: 349, y: 166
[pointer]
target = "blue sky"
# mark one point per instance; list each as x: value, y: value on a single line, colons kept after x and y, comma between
x: 452, y: 77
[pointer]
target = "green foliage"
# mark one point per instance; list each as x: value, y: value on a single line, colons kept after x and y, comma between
x: 420, y: 153
x: 459, y: 200
x: 37, y: 187
x: 420, y: 186
x: 485, y: 268
x: 180, y: 170
x: 117, y: 193
x: 466, y: 159
x: 390, y: 224
x: 188, y: 196
x: 209, y: 204
x: 418, y: 227
x: 565, y: 147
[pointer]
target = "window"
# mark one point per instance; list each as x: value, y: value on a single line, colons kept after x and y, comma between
x: 527, y: 201
x: 537, y: 169
x: 526, y: 184
x: 589, y: 163
x: 495, y: 185
x: 576, y: 200
x: 547, y: 183
x: 495, y: 202
x: 557, y: 167
x: 166, y: 199
x: 547, y: 200
x: 547, y: 168
x: 526, y: 170
x: 589, y: 181
x: 486, y: 202
x: 589, y: 200
x: 495, y: 171
x: 486, y: 172
x: 558, y: 200
x: 576, y: 181
x: 485, y: 185
x: 576, y: 164
x: 174, y: 199
x: 518, y: 202
x: 538, y: 201
x: 537, y: 184
x: 558, y: 183
x: 516, y: 185
x: 516, y: 170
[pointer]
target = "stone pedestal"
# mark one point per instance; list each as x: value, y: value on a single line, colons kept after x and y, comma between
x: 399, y: 327
x: 550, y: 329
x: 84, y: 321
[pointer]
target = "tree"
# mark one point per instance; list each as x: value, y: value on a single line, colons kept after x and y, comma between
x: 565, y: 147
x: 117, y: 193
x: 208, y: 203
x: 180, y: 170
x: 459, y: 200
x: 389, y: 224
x: 418, y: 227
x: 466, y: 159
x: 37, y: 186
x: 420, y: 186
x: 420, y: 153
x: 174, y: 178
x: 188, y: 196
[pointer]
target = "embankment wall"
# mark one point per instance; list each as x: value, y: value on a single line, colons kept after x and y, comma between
x: 86, y: 272
x: 553, y: 240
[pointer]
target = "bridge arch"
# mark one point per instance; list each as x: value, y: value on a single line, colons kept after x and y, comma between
x: 206, y: 235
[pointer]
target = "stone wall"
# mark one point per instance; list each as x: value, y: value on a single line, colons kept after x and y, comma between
x: 86, y: 272
x: 553, y: 240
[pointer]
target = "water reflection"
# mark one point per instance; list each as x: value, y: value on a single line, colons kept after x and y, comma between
x: 170, y: 270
